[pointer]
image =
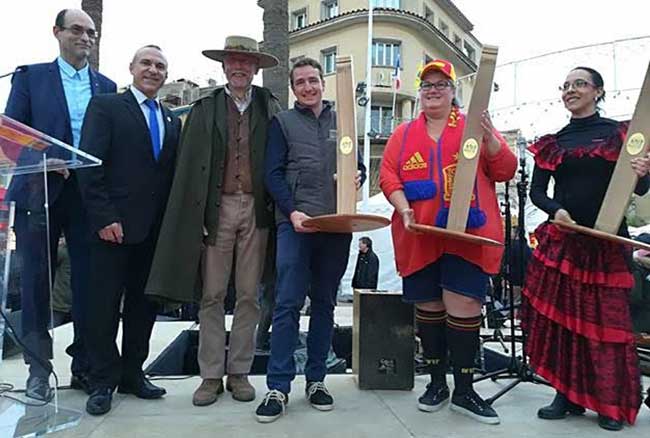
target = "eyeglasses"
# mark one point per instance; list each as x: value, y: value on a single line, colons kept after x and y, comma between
x: 80, y: 30
x: 440, y: 85
x: 578, y: 84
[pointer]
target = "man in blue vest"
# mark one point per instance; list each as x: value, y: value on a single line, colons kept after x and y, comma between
x: 52, y: 98
x: 300, y: 176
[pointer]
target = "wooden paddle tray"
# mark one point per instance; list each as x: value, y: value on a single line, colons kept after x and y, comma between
x: 456, y: 235
x: 346, y: 223
x: 601, y: 234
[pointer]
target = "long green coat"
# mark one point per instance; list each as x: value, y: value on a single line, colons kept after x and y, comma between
x: 196, y: 194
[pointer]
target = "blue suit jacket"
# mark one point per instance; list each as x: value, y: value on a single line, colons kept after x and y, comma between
x: 37, y: 99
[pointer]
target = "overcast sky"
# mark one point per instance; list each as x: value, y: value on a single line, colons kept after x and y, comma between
x: 183, y: 29
x: 521, y: 29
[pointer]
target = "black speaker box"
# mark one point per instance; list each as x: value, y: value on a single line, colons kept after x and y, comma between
x: 383, y: 340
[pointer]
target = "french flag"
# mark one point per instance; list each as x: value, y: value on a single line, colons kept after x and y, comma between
x: 396, y: 74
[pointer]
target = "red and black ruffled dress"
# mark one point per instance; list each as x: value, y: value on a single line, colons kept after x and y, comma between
x: 577, y: 287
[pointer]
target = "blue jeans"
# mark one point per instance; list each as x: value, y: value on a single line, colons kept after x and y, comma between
x: 307, y: 263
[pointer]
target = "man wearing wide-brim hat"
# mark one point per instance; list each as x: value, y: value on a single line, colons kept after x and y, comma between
x: 218, y: 203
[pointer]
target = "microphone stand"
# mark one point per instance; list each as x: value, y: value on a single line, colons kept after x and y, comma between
x: 518, y: 367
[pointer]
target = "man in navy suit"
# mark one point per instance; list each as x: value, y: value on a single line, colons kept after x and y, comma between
x: 136, y: 138
x: 52, y: 98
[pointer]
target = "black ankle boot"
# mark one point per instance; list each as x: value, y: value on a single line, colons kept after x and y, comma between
x: 647, y: 399
x: 609, y: 423
x: 559, y: 408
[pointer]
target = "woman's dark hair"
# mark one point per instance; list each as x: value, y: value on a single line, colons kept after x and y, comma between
x: 597, y: 79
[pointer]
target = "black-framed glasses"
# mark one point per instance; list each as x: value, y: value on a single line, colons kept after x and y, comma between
x: 578, y: 84
x: 440, y: 85
x: 80, y: 30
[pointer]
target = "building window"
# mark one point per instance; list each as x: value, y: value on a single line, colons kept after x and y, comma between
x: 385, y: 54
x: 381, y: 120
x: 328, y: 60
x: 385, y: 4
x: 444, y: 28
x: 428, y: 15
x: 470, y: 51
x: 330, y: 9
x: 458, y: 41
x: 299, y: 18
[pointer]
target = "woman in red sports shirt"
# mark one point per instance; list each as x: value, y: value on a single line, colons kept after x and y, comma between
x: 446, y: 279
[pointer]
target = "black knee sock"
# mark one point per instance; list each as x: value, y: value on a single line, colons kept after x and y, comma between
x: 463, y: 339
x: 431, y: 330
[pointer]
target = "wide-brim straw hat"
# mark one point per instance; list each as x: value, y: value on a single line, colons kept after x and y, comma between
x: 244, y: 46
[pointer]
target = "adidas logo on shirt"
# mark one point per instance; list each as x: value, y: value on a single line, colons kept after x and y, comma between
x: 416, y: 162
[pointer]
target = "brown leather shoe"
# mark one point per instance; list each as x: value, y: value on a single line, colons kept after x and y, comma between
x: 208, y: 392
x: 240, y: 387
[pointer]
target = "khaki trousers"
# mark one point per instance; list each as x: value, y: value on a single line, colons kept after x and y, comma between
x: 236, y: 236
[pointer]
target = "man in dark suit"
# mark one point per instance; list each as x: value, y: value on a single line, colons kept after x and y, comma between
x: 136, y: 139
x: 52, y: 98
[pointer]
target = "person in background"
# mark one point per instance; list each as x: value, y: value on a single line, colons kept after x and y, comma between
x: 366, y: 272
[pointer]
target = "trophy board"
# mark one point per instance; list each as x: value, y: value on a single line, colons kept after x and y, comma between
x: 468, y: 156
x: 346, y: 219
x: 624, y: 179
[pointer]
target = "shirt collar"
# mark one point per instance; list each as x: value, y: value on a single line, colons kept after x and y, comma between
x: 70, y: 71
x: 140, y: 96
x: 243, y: 103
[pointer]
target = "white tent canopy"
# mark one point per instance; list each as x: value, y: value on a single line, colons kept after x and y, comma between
x: 382, y: 245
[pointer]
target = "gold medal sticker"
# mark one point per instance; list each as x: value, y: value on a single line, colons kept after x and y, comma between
x: 470, y: 148
x: 346, y: 145
x: 635, y: 143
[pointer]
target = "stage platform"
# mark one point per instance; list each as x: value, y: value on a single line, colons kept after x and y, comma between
x: 376, y: 414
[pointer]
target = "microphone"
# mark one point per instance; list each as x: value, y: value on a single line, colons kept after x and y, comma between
x: 521, y: 147
x: 11, y: 73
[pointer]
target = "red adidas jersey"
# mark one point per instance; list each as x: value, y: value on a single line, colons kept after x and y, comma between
x: 415, y: 251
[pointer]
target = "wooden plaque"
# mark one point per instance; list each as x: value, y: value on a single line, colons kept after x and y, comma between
x: 346, y: 219
x: 347, y: 223
x: 621, y: 186
x: 346, y: 137
x: 602, y: 235
x: 468, y: 156
x: 470, y: 147
x: 624, y: 179
x: 456, y: 235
